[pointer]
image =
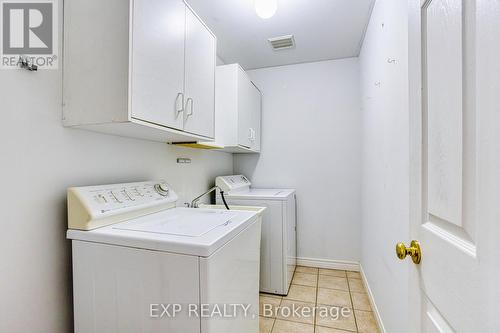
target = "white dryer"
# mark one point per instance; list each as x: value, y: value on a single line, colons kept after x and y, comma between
x: 278, y: 243
x: 135, y: 254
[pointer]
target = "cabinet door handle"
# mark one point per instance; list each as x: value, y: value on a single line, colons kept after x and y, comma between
x: 192, y: 107
x: 179, y: 107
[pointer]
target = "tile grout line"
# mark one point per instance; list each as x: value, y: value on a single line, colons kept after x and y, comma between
x: 276, y: 317
x: 352, y: 303
x: 315, y: 301
x: 273, y: 318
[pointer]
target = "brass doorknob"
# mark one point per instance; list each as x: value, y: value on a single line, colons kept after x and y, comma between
x: 414, y: 251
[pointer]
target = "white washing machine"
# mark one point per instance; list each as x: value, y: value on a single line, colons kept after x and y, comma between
x: 135, y: 255
x: 278, y: 243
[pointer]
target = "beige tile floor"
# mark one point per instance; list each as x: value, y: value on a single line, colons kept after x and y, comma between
x: 321, y: 289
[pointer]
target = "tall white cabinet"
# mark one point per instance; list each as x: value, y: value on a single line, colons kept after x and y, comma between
x: 140, y: 68
x: 238, y: 110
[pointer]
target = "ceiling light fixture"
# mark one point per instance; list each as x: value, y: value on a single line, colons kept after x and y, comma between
x: 266, y: 8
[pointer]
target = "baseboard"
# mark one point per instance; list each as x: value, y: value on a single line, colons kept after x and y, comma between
x: 372, y: 300
x: 327, y: 263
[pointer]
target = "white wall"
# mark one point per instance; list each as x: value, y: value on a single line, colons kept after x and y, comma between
x: 385, y: 164
x: 219, y: 61
x: 39, y: 160
x: 311, y: 141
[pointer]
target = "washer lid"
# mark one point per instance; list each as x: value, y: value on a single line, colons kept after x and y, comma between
x: 190, y: 231
x: 191, y: 223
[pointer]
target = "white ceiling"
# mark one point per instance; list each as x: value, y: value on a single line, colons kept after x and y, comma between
x: 323, y: 29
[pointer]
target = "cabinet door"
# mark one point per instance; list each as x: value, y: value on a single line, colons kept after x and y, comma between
x: 199, y: 111
x: 245, y: 109
x: 256, y: 107
x: 157, y: 75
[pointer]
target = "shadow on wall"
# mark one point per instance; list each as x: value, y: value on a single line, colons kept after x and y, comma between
x: 68, y: 268
x: 250, y: 161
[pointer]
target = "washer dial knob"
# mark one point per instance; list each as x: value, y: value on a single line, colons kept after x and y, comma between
x: 162, y: 189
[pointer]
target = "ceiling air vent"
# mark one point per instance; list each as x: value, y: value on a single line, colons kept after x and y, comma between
x: 282, y: 42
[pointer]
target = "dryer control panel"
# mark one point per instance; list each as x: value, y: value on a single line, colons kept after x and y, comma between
x: 231, y: 183
x: 92, y: 207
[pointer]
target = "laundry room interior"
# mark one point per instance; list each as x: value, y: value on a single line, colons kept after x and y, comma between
x: 324, y: 166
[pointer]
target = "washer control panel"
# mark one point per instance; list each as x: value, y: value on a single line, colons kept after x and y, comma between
x: 94, y: 206
x: 231, y: 183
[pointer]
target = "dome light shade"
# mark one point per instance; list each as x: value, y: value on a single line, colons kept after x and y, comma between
x: 266, y: 8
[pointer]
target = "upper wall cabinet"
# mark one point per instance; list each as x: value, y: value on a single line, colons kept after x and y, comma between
x: 139, y: 68
x: 238, y: 110
x: 200, y: 77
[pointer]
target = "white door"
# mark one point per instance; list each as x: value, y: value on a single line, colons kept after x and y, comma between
x: 455, y: 147
x: 200, y: 77
x: 157, y: 75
